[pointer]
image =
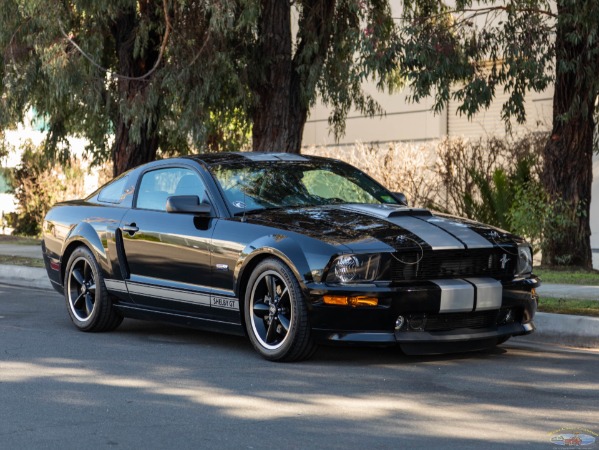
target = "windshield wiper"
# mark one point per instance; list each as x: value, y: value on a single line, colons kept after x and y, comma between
x: 256, y: 210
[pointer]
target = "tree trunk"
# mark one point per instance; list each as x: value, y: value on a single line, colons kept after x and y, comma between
x: 287, y: 84
x: 568, y: 166
x: 127, y: 152
x: 271, y: 115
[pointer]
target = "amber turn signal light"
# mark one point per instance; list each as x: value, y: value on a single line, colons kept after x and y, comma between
x: 341, y: 300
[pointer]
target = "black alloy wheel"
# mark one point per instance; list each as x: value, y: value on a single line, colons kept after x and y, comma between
x: 88, y: 302
x: 275, y: 313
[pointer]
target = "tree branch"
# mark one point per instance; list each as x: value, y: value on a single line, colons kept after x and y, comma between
x: 125, y: 77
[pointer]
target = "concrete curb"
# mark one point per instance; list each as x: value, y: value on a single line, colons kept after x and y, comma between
x: 568, y: 291
x: 578, y: 331
x: 566, y: 329
x: 34, y: 277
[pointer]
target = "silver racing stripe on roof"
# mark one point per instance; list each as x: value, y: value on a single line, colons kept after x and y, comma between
x: 437, y: 238
x: 273, y: 157
x: 462, y: 231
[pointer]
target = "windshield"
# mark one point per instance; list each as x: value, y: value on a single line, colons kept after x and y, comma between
x: 264, y: 185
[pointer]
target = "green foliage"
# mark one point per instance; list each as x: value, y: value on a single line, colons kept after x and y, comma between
x: 493, y: 199
x: 473, y: 50
x: 536, y: 216
x: 38, y: 184
x: 184, y: 78
x: 574, y: 306
x: 568, y: 276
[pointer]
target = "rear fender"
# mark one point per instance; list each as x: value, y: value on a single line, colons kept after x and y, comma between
x: 85, y: 234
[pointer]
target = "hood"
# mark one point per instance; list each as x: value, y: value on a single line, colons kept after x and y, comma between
x: 361, y: 227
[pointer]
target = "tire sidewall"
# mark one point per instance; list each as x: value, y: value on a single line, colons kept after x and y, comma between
x: 295, y: 297
x: 84, y: 252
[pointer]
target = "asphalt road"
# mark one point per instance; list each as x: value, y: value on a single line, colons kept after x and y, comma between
x: 152, y: 386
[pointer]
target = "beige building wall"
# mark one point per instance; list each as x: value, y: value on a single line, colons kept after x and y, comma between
x: 401, y: 121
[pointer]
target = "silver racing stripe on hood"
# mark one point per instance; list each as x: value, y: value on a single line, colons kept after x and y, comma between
x: 461, y: 231
x: 404, y: 217
x: 438, y: 239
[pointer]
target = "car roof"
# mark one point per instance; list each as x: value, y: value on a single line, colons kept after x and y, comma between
x: 210, y: 159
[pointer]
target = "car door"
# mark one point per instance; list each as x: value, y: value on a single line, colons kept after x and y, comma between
x: 168, y: 254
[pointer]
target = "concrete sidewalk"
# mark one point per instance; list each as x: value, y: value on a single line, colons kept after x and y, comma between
x: 28, y: 251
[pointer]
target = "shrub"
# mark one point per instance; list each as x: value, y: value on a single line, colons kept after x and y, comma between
x: 38, y: 184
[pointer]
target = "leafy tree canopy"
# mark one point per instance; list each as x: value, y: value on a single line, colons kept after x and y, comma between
x: 140, y: 77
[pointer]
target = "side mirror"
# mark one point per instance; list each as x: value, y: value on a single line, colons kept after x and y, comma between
x: 188, y: 204
x: 401, y: 198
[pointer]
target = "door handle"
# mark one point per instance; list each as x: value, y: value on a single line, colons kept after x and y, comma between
x: 130, y: 228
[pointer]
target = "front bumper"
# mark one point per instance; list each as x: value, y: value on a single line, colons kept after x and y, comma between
x: 426, y: 326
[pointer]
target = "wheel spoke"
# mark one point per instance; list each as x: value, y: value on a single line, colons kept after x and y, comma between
x: 77, y: 300
x: 78, y: 276
x: 260, y: 309
x: 92, y: 288
x: 284, y: 321
x: 89, y: 305
x: 280, y: 297
x: 86, y: 272
x: 270, y: 334
x: 270, y: 285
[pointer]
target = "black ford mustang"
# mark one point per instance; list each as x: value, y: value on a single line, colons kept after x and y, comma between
x: 291, y: 250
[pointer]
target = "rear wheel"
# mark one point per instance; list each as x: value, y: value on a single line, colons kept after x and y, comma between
x: 275, y: 313
x: 88, y: 302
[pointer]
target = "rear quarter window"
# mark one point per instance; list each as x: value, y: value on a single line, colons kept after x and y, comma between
x: 113, y: 192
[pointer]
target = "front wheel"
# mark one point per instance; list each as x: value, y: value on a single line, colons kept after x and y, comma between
x: 276, y: 318
x: 88, y: 301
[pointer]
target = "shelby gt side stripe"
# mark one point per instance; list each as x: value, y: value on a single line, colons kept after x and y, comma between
x: 459, y: 295
x: 115, y: 285
x: 169, y: 294
x: 179, y: 295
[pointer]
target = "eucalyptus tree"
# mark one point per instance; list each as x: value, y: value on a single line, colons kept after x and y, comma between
x: 89, y: 68
x: 485, y: 47
x: 139, y: 78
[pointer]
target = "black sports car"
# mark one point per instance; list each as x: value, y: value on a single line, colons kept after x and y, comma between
x: 291, y: 250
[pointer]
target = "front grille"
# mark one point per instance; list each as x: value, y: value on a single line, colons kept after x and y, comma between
x: 495, y: 263
x: 472, y: 320
x: 451, y: 321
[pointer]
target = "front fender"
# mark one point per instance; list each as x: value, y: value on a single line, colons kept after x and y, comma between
x: 283, y: 247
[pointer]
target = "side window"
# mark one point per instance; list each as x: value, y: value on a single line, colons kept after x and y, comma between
x: 158, y: 185
x: 113, y: 192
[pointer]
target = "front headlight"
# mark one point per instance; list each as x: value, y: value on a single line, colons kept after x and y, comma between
x: 524, y: 266
x: 354, y: 269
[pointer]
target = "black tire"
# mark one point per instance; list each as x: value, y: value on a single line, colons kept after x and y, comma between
x: 276, y: 317
x: 88, y: 302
